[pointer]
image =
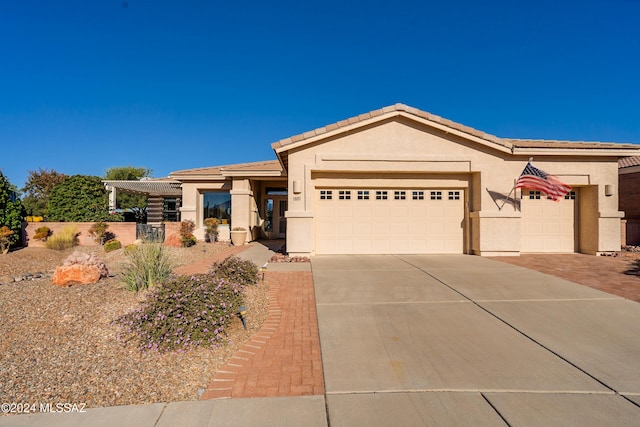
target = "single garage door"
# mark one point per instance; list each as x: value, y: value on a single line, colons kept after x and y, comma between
x: 548, y: 226
x: 389, y: 221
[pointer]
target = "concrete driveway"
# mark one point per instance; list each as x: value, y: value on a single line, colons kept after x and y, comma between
x: 463, y: 340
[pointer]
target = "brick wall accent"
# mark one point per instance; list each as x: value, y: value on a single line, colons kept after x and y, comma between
x: 125, y: 231
x: 629, y: 197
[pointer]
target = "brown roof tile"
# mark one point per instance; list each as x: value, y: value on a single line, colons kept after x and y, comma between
x: 268, y: 165
x: 627, y: 162
x: 505, y: 142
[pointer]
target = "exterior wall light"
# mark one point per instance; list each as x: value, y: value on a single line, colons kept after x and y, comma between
x: 609, y: 190
x: 296, y: 187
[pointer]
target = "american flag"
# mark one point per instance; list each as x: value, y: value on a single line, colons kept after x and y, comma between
x: 536, y: 179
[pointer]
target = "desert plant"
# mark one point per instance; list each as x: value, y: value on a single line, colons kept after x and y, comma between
x: 112, y: 245
x: 42, y: 233
x: 66, y: 238
x: 186, y: 233
x: 98, y: 231
x: 185, y: 312
x: 146, y: 267
x: 130, y: 248
x: 236, y: 270
x: 189, y: 240
x: 11, y: 210
x: 211, y: 227
x: 5, y: 239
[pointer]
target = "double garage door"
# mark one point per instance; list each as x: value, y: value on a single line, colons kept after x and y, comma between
x: 389, y: 221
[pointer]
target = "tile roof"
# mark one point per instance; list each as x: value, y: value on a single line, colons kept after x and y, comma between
x: 390, y: 109
x: 505, y: 142
x: 545, y: 143
x: 627, y: 162
x: 264, y: 166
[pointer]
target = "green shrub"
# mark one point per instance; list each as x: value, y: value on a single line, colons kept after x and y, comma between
x: 186, y: 233
x: 112, y: 245
x: 42, y: 233
x: 80, y: 198
x: 5, y: 238
x: 100, y: 233
x: 130, y: 248
x: 146, y: 267
x: 184, y: 312
x: 236, y: 270
x: 66, y: 238
x: 189, y: 240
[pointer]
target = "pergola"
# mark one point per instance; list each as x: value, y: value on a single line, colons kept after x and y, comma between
x: 156, y: 191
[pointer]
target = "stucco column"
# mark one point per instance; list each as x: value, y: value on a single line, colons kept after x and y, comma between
x: 112, y: 198
x: 241, y: 196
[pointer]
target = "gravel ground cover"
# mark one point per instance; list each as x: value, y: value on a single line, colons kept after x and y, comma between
x: 57, y: 345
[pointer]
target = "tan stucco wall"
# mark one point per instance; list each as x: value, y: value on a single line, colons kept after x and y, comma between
x: 406, y: 147
x: 192, y: 205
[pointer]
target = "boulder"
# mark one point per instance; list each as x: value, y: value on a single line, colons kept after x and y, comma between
x: 174, y: 241
x: 67, y: 275
x: 5, y: 280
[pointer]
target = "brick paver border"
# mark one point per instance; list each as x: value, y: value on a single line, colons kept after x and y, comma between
x: 283, y: 358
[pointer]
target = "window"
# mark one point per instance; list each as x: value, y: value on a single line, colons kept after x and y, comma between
x: 436, y: 195
x: 170, y: 209
x: 381, y: 195
x: 534, y: 195
x: 418, y: 195
x: 326, y: 195
x: 399, y: 195
x: 268, y: 215
x: 571, y: 195
x: 344, y: 194
x: 363, y: 194
x: 217, y: 204
x: 454, y: 195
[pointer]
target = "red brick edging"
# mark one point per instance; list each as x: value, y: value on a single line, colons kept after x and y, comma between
x: 283, y: 358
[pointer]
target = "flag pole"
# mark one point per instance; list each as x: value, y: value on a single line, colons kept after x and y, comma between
x: 512, y: 190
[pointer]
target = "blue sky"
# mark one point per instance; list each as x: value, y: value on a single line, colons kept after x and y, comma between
x: 170, y: 85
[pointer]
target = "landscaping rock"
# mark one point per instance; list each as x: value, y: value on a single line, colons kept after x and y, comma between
x: 67, y: 275
x: 79, y: 258
x: 174, y: 241
x: 5, y: 280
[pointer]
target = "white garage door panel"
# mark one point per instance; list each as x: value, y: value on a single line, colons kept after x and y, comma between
x: 548, y: 226
x: 378, y: 226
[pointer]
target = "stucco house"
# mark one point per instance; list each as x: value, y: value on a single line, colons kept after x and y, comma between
x: 629, y: 184
x: 401, y: 180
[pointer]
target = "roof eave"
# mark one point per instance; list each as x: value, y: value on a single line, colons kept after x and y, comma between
x: 338, y: 129
x: 249, y: 174
x: 601, y: 152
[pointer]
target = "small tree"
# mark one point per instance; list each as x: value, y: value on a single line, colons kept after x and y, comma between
x: 38, y: 188
x: 80, y: 198
x: 136, y: 203
x: 11, y: 211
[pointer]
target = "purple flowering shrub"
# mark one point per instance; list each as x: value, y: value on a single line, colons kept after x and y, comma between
x: 236, y: 270
x: 184, y: 312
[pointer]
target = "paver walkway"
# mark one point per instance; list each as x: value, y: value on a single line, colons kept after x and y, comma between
x: 608, y: 274
x: 283, y: 358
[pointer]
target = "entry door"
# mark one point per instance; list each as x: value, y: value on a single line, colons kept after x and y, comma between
x: 275, y: 225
